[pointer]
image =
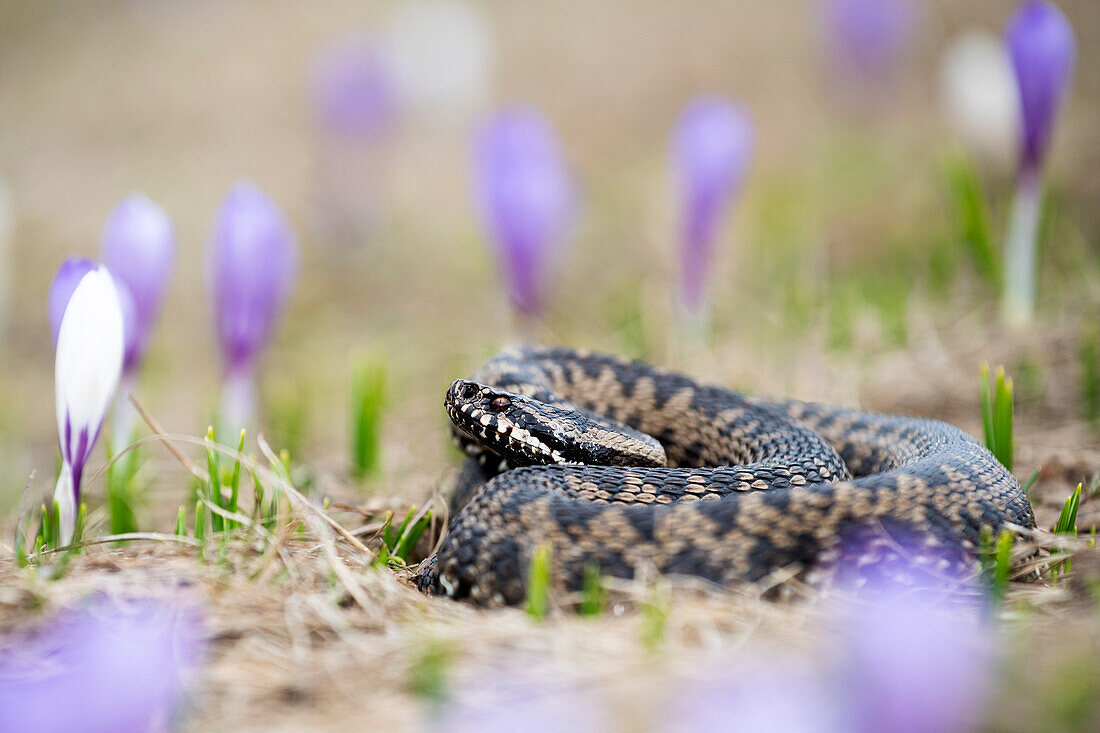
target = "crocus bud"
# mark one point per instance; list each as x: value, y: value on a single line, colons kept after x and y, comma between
x: 712, y: 149
x: 64, y: 282
x: 87, y: 369
x: 353, y: 90
x: 251, y: 260
x: 526, y: 200
x: 138, y: 246
x: 1041, y: 43
x: 868, y: 36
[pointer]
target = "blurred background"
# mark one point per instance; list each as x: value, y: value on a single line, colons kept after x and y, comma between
x: 840, y: 273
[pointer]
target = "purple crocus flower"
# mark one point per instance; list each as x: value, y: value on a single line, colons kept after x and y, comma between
x: 138, y: 245
x: 912, y: 668
x: 64, y: 282
x: 1042, y: 46
x: 1041, y: 43
x: 88, y: 364
x: 712, y: 150
x: 917, y: 646
x: 868, y: 36
x: 757, y: 692
x: 113, y: 666
x: 353, y: 88
x: 251, y: 262
x: 526, y: 200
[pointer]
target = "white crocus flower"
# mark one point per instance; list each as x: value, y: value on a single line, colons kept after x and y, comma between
x: 87, y: 370
x: 979, y: 95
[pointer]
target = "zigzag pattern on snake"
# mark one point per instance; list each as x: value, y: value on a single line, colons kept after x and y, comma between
x: 697, y: 479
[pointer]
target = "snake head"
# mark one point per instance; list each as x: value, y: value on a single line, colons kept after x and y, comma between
x: 524, y: 431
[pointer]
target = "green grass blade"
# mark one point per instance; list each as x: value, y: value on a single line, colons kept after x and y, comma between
x: 593, y: 594
x: 19, y: 551
x: 1067, y: 520
x: 1089, y: 363
x: 214, y: 488
x: 411, y: 536
x: 200, y: 521
x: 235, y: 481
x: 1031, y: 481
x: 368, y: 394
x: 121, y: 494
x: 1002, y: 419
x: 538, y: 582
x: 973, y: 219
x: 389, y: 537
x: 181, y: 522
x: 55, y: 525
x: 654, y: 617
x: 987, y: 409
x: 1002, y: 564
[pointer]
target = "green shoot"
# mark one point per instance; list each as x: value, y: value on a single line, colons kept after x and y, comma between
x: 200, y: 521
x: 49, y: 535
x: 1089, y: 358
x: 122, y: 495
x: 593, y: 594
x: 428, y: 671
x: 538, y: 582
x: 997, y: 414
x: 972, y: 219
x: 181, y: 522
x: 235, y: 480
x: 19, y: 551
x: 1067, y: 520
x: 1005, y: 541
x: 214, y: 486
x: 654, y: 616
x: 1031, y: 481
x: 61, y: 565
x: 1067, y: 525
x: 998, y: 561
x: 398, y: 544
x: 368, y: 392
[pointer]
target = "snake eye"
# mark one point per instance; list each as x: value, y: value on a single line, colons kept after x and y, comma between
x: 500, y: 404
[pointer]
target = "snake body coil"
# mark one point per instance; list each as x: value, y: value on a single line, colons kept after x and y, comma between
x: 694, y: 479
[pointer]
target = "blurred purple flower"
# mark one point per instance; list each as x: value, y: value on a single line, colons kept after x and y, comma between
x: 251, y: 262
x: 917, y: 669
x: 1041, y: 43
x: 353, y: 89
x: 513, y: 699
x: 526, y: 200
x: 918, y: 649
x: 112, y: 666
x: 768, y: 693
x: 712, y: 149
x: 868, y: 36
x: 64, y: 282
x: 138, y: 245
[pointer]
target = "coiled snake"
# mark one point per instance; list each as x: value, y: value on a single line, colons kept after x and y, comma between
x: 617, y: 465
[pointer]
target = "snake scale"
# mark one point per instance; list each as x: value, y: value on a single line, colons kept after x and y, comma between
x: 691, y: 478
